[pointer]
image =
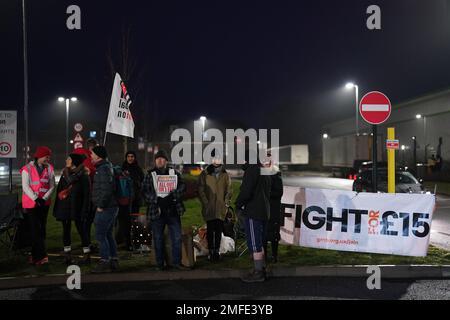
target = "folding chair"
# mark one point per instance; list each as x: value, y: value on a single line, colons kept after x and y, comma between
x: 10, y: 218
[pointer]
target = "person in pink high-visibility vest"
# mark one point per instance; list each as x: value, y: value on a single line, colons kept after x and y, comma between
x: 38, y: 183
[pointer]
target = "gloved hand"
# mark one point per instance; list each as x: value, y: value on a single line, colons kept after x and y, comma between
x: 40, y: 202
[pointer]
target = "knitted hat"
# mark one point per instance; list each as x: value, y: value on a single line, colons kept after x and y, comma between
x: 162, y: 154
x: 77, y: 159
x: 42, y: 152
x: 100, y: 151
x: 130, y: 152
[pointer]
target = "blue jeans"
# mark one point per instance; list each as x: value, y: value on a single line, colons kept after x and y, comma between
x: 158, y: 226
x: 104, y: 223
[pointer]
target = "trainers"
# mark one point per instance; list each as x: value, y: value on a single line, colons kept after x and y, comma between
x: 254, y: 276
x: 103, y: 266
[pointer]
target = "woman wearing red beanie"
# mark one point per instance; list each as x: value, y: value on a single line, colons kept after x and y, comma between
x: 38, y: 183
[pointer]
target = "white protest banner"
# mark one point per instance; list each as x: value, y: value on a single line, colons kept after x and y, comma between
x: 165, y: 184
x: 120, y: 121
x: 8, y: 134
x: 362, y: 222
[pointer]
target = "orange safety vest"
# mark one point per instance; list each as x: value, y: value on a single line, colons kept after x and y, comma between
x: 39, y: 184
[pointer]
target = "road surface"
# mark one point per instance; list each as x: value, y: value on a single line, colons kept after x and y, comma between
x: 312, y: 288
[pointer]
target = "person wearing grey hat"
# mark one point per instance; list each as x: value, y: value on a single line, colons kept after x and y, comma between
x: 162, y: 154
x: 164, y: 209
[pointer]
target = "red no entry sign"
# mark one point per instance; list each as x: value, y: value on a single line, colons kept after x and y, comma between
x: 375, y: 107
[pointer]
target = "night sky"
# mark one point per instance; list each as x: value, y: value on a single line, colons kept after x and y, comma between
x: 269, y: 64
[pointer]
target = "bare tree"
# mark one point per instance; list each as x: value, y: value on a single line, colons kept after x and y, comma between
x: 122, y: 57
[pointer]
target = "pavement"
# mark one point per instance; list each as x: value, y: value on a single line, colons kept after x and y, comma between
x: 187, y: 293
x: 349, y: 271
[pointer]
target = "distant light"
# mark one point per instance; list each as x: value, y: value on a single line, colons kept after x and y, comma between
x: 365, y: 134
x: 403, y: 147
x: 61, y: 99
x: 203, y: 118
x: 418, y: 116
x: 350, y: 85
x: 71, y: 141
x: 325, y: 136
x: 73, y: 99
x: 258, y: 142
x: 92, y: 134
x: 413, y: 137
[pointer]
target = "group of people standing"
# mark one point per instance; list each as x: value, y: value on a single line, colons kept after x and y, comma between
x: 258, y: 203
x: 87, y: 194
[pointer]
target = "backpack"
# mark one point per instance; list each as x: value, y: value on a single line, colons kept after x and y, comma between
x: 123, y: 187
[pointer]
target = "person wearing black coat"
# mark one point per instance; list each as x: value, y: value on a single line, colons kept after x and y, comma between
x: 131, y: 168
x: 253, y: 203
x: 273, y: 225
x: 75, y: 207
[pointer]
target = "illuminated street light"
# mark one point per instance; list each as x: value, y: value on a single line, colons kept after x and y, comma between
x: 350, y: 86
x: 62, y: 99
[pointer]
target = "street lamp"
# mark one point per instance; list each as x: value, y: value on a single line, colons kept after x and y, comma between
x: 62, y: 99
x: 325, y: 136
x: 350, y: 86
x: 418, y: 117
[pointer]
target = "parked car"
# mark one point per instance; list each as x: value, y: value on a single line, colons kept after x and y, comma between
x: 405, y: 182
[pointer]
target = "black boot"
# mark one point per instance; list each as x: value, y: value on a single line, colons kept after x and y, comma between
x: 216, y: 256
x: 266, y: 254
x: 211, y: 256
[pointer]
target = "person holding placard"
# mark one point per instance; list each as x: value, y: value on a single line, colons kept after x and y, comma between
x: 163, y: 189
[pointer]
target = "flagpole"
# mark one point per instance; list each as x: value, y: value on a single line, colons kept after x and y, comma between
x: 104, y: 139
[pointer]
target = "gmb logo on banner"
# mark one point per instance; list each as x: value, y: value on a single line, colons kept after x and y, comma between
x: 389, y: 223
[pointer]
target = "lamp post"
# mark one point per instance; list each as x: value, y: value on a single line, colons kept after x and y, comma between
x: 62, y: 99
x: 349, y: 86
x: 421, y: 116
x: 414, y: 155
